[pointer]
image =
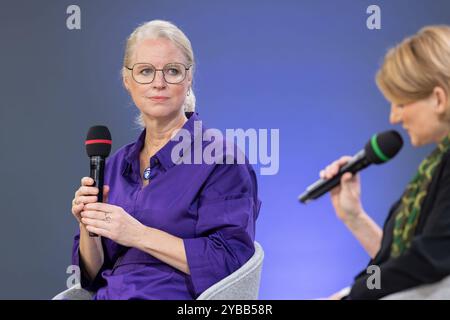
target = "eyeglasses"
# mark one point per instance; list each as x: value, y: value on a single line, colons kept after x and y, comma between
x: 173, y: 73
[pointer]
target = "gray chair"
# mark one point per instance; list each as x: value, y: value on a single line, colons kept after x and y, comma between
x: 243, y: 284
x: 434, y: 291
x: 74, y: 293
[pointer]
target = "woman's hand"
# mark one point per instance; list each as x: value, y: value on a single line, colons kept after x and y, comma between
x: 112, y: 222
x: 347, y: 204
x: 346, y: 196
x: 86, y: 194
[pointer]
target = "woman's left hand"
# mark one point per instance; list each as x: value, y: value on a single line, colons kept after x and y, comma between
x: 112, y: 222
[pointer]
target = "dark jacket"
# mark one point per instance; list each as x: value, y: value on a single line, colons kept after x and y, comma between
x: 428, y: 258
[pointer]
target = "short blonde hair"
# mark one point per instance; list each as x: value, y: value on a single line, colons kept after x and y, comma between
x: 161, y: 29
x: 413, y: 68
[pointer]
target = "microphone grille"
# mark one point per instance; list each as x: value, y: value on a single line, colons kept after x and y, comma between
x: 98, y: 141
x: 383, y: 146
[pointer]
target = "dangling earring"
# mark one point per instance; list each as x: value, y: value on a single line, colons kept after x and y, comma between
x: 189, y: 92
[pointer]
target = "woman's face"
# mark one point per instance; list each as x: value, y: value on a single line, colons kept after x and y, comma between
x: 424, y: 120
x: 158, y: 99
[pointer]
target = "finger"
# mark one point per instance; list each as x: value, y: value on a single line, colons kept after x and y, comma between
x: 99, y: 215
x: 95, y: 223
x: 98, y: 231
x: 105, y: 193
x: 85, y: 191
x: 335, y: 168
x: 87, y: 181
x: 331, y: 170
x: 86, y: 199
x: 77, y: 208
x: 326, y: 172
x: 77, y: 216
x: 346, y: 180
x: 337, y: 165
x: 100, y: 206
x: 322, y: 174
x: 344, y: 159
x: 346, y: 177
x: 353, y: 178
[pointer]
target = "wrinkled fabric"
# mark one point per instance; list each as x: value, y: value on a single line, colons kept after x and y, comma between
x: 212, y: 207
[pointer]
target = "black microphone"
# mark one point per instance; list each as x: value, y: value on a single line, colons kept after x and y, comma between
x: 379, y: 149
x: 98, y: 146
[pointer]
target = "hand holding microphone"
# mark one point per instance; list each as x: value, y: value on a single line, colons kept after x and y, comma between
x: 346, y: 196
x: 98, y: 146
x: 379, y: 149
x: 86, y: 194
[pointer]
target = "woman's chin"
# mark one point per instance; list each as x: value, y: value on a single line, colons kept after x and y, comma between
x: 159, y: 111
x: 414, y: 142
x: 417, y: 142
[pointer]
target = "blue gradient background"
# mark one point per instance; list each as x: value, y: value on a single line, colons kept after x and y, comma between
x: 304, y: 67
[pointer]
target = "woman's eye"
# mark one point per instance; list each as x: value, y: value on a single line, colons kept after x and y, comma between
x: 173, y: 71
x: 146, y: 71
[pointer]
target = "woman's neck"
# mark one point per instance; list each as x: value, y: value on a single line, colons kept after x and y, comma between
x: 159, y: 131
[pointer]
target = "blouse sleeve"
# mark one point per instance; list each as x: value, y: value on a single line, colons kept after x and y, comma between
x: 93, y: 284
x: 98, y: 282
x: 227, y: 209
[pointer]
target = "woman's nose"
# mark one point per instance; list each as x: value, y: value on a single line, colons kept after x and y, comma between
x: 159, y: 80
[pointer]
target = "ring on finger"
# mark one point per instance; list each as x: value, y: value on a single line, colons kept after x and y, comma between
x: 107, y: 217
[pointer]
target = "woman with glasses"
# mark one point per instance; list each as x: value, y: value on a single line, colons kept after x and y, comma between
x: 168, y: 230
x: 413, y: 247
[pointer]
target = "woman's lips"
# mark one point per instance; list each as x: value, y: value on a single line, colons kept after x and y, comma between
x: 158, y: 98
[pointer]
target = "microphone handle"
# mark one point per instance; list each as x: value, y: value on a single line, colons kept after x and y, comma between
x: 97, y: 170
x: 322, y: 186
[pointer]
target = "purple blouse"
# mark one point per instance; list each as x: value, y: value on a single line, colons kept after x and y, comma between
x: 212, y: 207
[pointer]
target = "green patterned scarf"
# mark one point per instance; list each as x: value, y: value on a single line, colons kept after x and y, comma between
x: 409, y: 210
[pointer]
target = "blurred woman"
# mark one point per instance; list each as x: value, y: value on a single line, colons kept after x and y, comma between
x: 413, y: 247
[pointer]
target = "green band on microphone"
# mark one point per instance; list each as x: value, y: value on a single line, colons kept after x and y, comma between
x: 377, y: 149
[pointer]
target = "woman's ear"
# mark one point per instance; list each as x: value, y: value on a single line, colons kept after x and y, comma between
x: 125, y: 82
x: 441, y: 100
x: 189, y: 78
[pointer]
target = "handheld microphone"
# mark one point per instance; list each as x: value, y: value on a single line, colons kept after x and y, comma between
x: 98, y: 146
x: 379, y: 149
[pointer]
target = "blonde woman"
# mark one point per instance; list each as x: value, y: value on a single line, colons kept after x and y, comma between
x: 413, y: 247
x: 168, y: 230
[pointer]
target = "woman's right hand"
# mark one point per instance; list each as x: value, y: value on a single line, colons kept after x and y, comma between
x: 346, y: 196
x: 86, y: 194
